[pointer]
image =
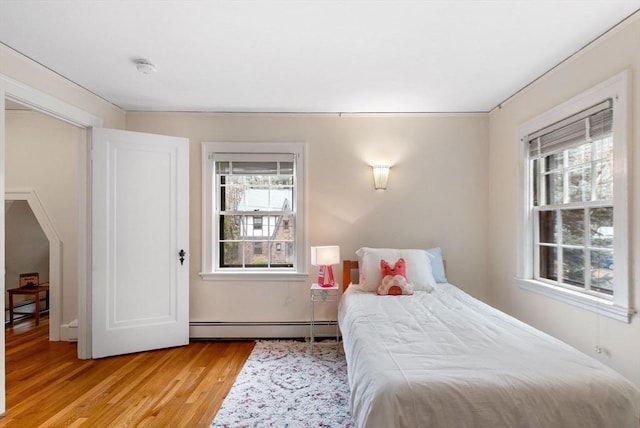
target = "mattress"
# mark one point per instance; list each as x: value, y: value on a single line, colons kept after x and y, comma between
x: 445, y: 359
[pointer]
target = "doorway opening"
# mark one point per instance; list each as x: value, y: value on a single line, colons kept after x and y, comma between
x: 42, y: 170
x: 26, y: 212
x: 27, y: 257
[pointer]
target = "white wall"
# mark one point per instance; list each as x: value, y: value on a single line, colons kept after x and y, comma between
x: 42, y: 154
x: 616, y: 51
x: 437, y: 195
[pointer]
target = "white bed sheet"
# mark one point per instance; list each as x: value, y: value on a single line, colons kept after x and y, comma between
x: 445, y: 359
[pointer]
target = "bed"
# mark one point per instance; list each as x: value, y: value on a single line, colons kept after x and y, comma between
x: 442, y: 358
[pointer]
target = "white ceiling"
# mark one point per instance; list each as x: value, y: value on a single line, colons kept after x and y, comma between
x: 306, y: 56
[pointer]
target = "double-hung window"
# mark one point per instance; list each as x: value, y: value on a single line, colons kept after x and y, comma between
x: 575, y: 205
x: 572, y: 206
x: 253, y: 214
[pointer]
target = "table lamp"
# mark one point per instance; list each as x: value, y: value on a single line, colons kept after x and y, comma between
x: 325, y: 257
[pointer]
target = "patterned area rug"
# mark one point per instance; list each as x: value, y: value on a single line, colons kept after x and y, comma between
x: 283, y: 385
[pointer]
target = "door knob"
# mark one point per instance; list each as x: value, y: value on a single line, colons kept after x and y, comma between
x: 182, y: 254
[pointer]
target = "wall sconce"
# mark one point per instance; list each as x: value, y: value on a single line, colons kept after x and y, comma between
x: 325, y: 257
x: 380, y: 176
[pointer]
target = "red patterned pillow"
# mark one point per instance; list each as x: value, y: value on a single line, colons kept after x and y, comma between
x: 394, y: 279
x: 399, y: 268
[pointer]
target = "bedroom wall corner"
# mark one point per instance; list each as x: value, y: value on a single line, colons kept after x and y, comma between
x: 617, y: 50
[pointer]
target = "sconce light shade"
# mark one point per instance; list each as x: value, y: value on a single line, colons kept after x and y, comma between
x: 380, y: 176
x: 325, y: 257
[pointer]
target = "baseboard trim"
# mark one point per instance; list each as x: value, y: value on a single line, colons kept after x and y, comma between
x: 262, y: 330
x: 69, y: 332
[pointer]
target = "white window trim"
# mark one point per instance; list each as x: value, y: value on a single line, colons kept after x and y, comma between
x: 619, y: 307
x: 208, y: 270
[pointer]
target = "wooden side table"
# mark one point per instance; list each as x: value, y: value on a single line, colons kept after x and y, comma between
x: 29, y: 291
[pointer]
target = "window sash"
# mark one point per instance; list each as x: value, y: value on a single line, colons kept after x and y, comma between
x: 555, y: 247
x: 549, y: 154
x: 552, y: 174
x: 242, y: 250
x: 247, y: 234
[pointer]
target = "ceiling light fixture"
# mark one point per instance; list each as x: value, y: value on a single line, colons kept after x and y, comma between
x: 146, y: 67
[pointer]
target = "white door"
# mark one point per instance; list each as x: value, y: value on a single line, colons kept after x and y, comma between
x: 140, y: 208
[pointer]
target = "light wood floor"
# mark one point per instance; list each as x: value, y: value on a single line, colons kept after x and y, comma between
x: 47, y: 386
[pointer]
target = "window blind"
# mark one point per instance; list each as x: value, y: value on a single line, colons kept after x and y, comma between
x: 264, y: 164
x: 592, y: 123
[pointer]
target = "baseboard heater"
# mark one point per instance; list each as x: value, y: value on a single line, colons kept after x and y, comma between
x: 260, y: 330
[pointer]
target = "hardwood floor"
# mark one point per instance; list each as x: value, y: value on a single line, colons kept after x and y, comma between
x: 47, y: 386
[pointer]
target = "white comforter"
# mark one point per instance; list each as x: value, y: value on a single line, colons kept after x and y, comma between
x: 445, y: 359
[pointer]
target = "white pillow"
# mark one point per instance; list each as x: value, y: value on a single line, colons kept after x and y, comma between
x: 417, y: 262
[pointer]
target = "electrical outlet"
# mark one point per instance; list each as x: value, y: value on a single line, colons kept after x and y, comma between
x: 602, y: 351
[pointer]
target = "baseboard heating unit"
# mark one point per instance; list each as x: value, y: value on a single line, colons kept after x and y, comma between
x: 245, y: 330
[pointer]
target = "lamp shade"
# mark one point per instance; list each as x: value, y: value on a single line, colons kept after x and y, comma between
x: 325, y: 256
x: 380, y: 176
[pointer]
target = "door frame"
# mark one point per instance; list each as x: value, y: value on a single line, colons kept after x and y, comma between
x: 39, y: 101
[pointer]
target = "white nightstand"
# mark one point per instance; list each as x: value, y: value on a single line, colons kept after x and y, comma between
x: 320, y: 294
